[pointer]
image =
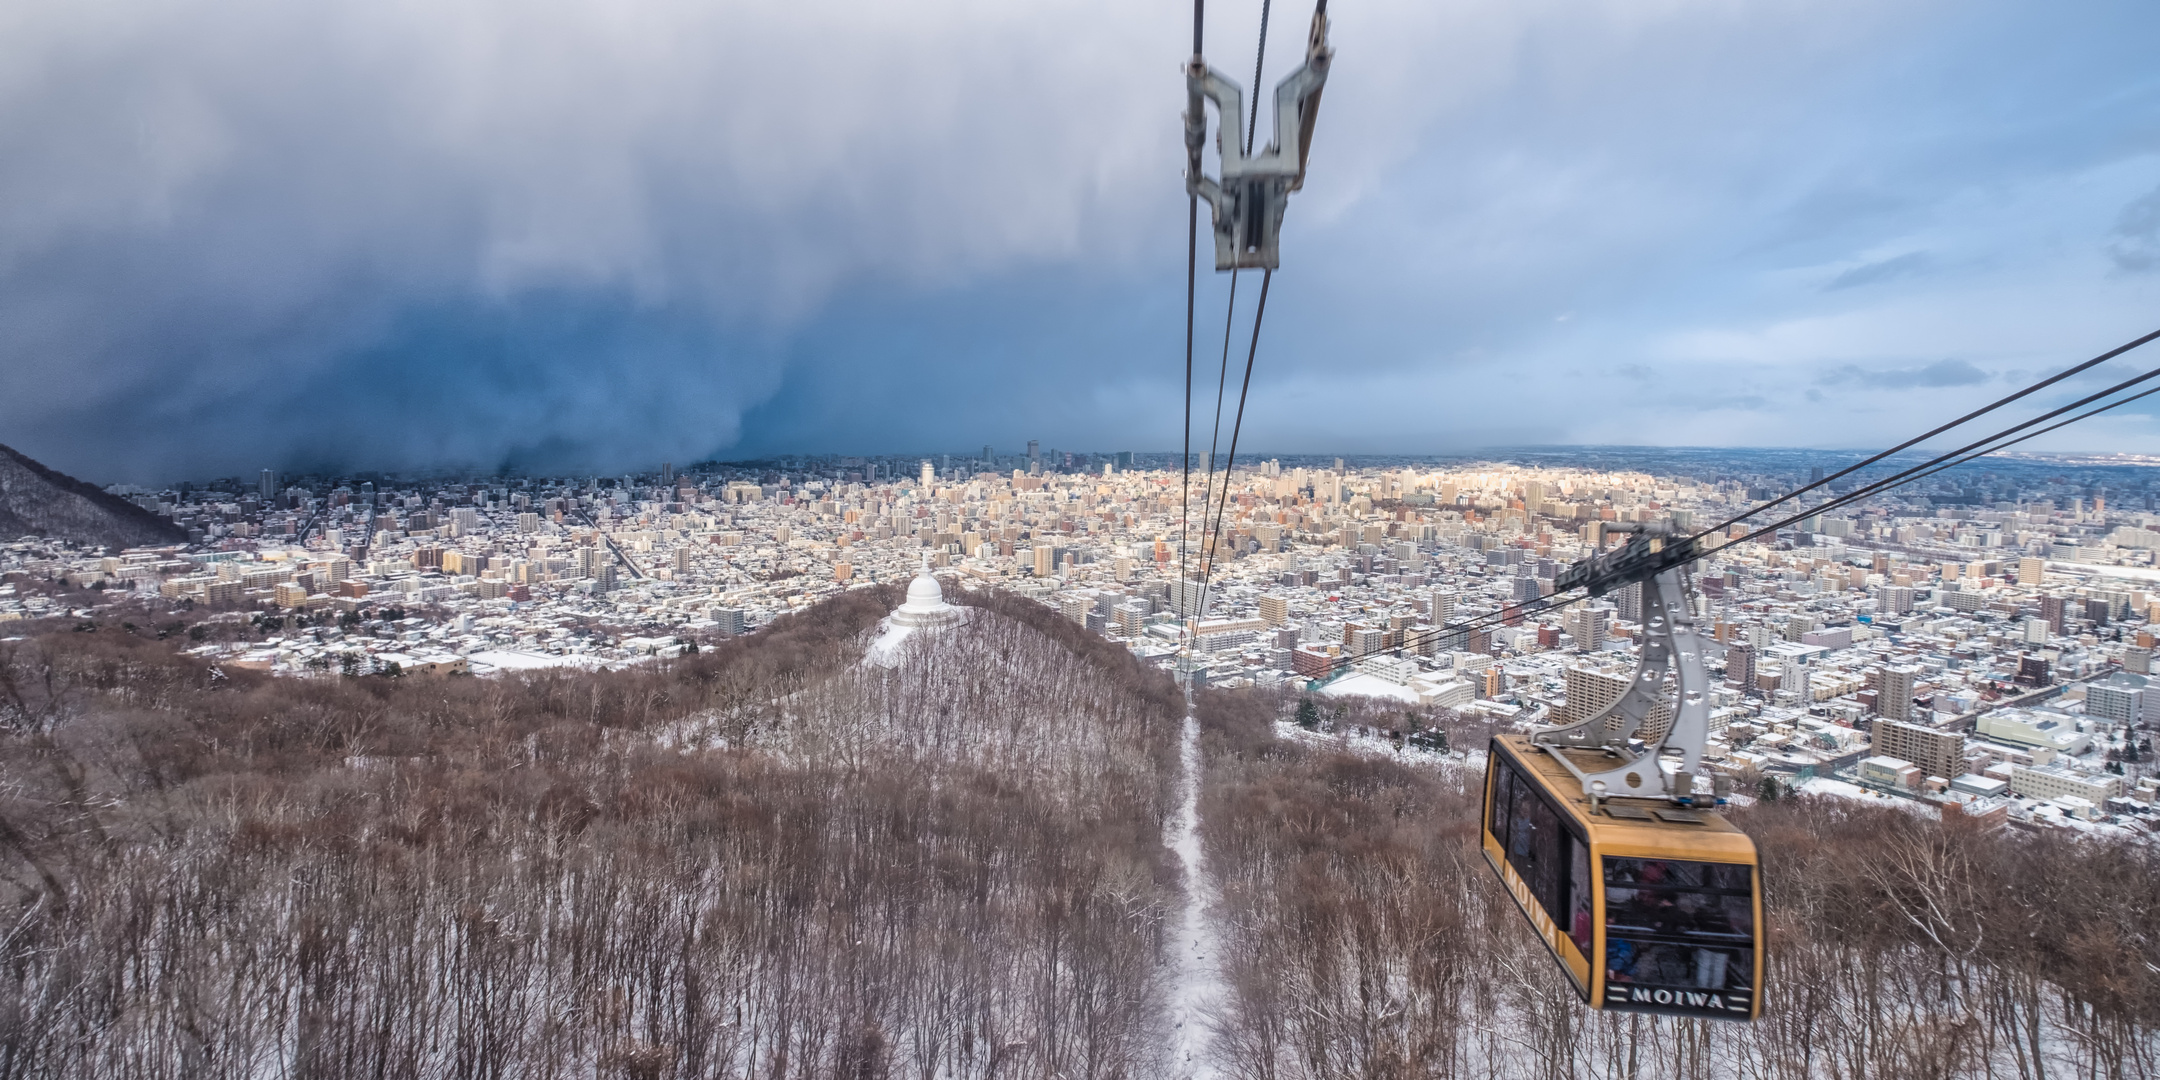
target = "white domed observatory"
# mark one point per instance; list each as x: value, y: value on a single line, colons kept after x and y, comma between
x: 925, y: 607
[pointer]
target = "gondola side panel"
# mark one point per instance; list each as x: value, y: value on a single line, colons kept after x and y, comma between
x: 1571, y: 958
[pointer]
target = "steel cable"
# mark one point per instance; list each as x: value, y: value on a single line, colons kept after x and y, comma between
x: 1258, y: 64
x: 1952, y: 459
x: 1909, y: 443
x: 1192, y: 257
x: 1207, y: 559
x: 1929, y: 467
x: 1223, y: 375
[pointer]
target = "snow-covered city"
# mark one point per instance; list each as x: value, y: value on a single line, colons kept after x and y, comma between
x: 1985, y: 651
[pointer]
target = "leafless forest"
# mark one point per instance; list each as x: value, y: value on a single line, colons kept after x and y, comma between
x: 770, y: 859
x: 764, y: 860
x: 1366, y: 937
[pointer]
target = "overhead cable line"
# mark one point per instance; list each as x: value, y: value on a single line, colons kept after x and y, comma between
x: 1909, y: 443
x: 1222, y: 378
x: 2036, y: 434
x: 1192, y: 255
x: 1971, y: 451
x: 1246, y: 207
x: 1222, y: 385
x: 1212, y: 526
x: 1192, y: 248
x: 2058, y: 425
x: 1192, y: 259
x: 1930, y: 466
x: 1207, y: 562
x: 1259, y: 63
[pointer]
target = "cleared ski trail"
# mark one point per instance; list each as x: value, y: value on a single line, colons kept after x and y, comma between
x: 1197, y: 993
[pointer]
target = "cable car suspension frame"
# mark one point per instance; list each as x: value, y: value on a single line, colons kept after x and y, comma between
x: 1657, y: 560
x: 1246, y: 203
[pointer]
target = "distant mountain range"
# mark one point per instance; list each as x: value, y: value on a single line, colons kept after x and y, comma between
x: 36, y: 501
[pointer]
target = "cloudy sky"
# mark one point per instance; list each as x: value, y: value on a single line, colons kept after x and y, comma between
x: 603, y: 233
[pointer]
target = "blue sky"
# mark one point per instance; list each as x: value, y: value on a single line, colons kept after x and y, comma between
x: 568, y: 235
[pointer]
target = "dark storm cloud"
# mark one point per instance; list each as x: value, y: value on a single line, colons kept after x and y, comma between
x: 564, y: 233
x: 1941, y: 373
x: 240, y: 232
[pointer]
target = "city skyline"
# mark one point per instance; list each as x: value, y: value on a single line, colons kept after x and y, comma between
x: 1978, y: 641
x: 1790, y: 465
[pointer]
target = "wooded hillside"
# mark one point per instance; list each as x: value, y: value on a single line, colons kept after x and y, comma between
x: 772, y: 859
x: 763, y: 860
x: 1370, y: 939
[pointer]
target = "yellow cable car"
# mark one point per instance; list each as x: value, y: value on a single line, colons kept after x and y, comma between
x: 1652, y: 908
x: 1598, y: 828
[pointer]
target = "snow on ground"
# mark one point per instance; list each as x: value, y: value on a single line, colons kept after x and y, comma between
x: 1365, y: 684
x: 1823, y: 785
x: 1197, y: 994
x: 1381, y: 746
x: 884, y: 650
x: 494, y: 660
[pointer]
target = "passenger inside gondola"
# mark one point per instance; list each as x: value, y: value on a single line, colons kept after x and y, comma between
x: 1678, y: 924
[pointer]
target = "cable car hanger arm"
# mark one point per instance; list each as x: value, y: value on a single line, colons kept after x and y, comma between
x: 1246, y: 203
x: 1669, y: 640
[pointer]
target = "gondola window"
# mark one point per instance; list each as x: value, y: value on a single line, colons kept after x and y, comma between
x: 1549, y: 857
x: 1679, y: 927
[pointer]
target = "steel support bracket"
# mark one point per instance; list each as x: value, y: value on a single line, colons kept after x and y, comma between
x: 1246, y: 203
x: 1670, y: 640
